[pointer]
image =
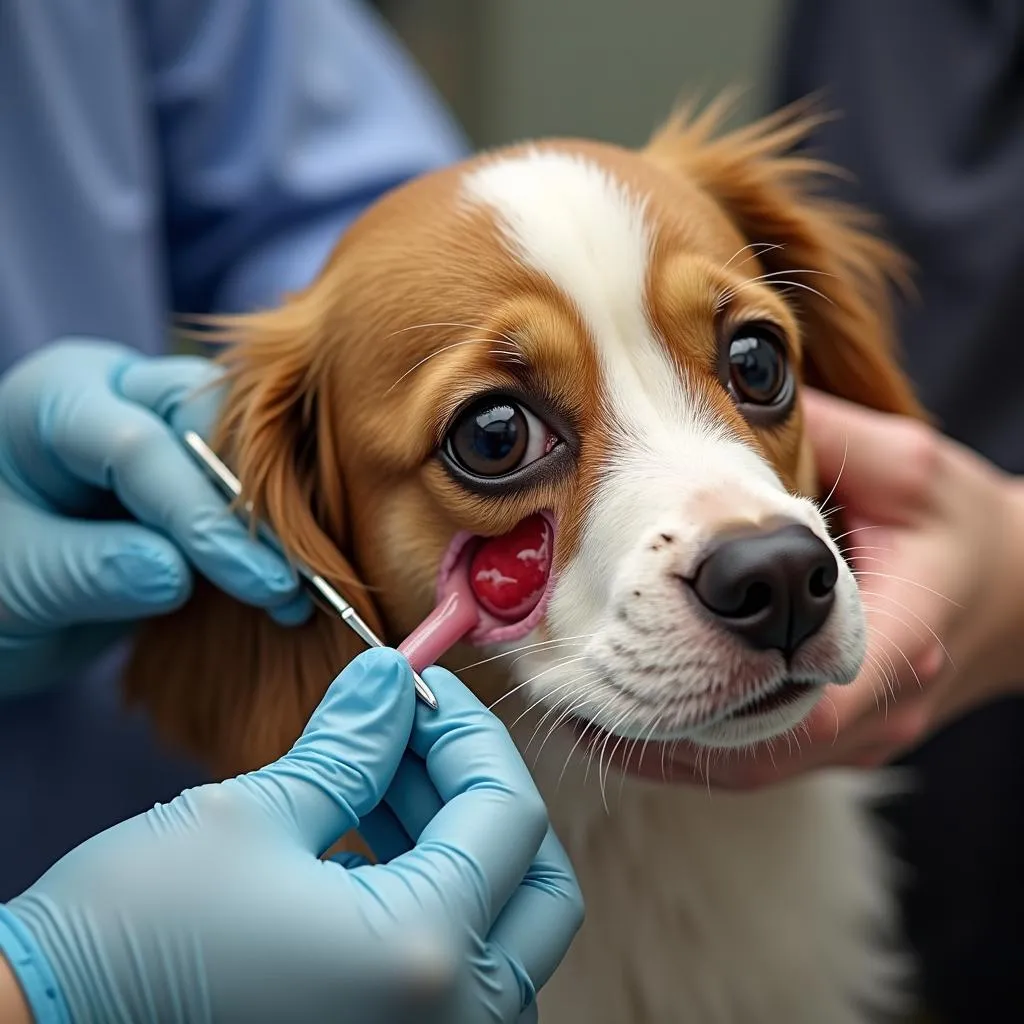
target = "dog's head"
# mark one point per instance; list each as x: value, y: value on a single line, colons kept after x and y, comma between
x: 617, y: 338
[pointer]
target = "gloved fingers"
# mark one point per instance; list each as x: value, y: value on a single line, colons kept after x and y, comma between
x: 480, y: 844
x: 410, y: 803
x: 115, y: 444
x: 185, y: 392
x: 530, y: 937
x: 342, y: 764
x: 384, y: 834
x: 412, y: 798
x: 62, y: 572
x: 539, y: 922
x: 39, y: 392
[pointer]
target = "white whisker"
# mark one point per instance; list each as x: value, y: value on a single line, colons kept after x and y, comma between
x: 602, y: 776
x: 839, y: 476
x: 441, y: 351
x: 561, y: 663
x: 452, y: 323
x: 835, y: 711
x: 583, y: 733
x: 588, y: 690
x: 911, y: 583
x: 856, y: 529
x: 899, y: 651
x: 556, y: 704
x: 791, y: 284
x: 526, y: 682
x: 910, y: 611
x: 762, y: 247
x: 528, y: 647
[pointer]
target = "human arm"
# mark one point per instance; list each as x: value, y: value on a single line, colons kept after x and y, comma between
x: 216, y: 906
x: 277, y: 125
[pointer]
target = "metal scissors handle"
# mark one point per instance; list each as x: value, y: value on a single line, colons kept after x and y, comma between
x: 320, y: 590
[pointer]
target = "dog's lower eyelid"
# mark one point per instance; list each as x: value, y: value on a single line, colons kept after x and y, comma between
x: 556, y: 465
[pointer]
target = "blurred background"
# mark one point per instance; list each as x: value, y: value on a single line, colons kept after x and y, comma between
x: 605, y: 69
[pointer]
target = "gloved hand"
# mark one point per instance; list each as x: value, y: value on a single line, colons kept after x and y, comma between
x: 87, y: 439
x: 215, y: 906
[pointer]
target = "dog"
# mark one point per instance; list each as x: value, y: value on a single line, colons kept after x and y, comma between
x: 616, y: 338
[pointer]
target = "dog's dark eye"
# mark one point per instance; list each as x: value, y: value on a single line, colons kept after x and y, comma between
x: 495, y: 437
x: 758, y: 370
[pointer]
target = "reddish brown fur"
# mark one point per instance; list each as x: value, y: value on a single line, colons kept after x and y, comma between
x: 310, y: 420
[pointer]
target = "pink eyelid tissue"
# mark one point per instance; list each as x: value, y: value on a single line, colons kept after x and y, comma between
x: 490, y: 590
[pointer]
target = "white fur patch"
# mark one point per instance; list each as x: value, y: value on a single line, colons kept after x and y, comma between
x: 570, y: 220
x: 723, y: 908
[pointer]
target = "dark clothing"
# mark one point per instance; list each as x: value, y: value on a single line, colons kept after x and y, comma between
x: 931, y: 98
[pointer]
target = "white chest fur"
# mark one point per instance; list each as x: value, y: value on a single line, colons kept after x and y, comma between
x: 717, y: 908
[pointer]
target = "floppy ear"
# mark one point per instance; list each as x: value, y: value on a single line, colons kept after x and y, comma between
x: 221, y: 679
x: 836, y: 271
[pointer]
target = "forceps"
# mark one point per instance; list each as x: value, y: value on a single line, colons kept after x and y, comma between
x: 320, y: 590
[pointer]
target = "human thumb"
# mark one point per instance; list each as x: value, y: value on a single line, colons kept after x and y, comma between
x: 343, y: 763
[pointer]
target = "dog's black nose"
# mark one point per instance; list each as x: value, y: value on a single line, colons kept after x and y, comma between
x: 773, y: 589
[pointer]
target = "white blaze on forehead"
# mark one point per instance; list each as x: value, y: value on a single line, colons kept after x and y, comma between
x: 568, y: 218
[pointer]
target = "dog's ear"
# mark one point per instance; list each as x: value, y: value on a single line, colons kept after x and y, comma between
x: 838, y: 273
x: 222, y: 680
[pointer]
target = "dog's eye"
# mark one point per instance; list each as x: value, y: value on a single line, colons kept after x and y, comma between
x: 495, y: 437
x: 758, y: 371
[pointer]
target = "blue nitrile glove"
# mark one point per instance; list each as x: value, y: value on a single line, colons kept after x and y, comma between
x: 215, y: 907
x: 87, y: 434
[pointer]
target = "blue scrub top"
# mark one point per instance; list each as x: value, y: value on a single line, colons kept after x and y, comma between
x: 157, y: 155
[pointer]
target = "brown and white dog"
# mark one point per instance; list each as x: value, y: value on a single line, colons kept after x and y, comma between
x: 637, y: 325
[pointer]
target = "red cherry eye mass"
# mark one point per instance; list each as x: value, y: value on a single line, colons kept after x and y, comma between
x: 508, y: 574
